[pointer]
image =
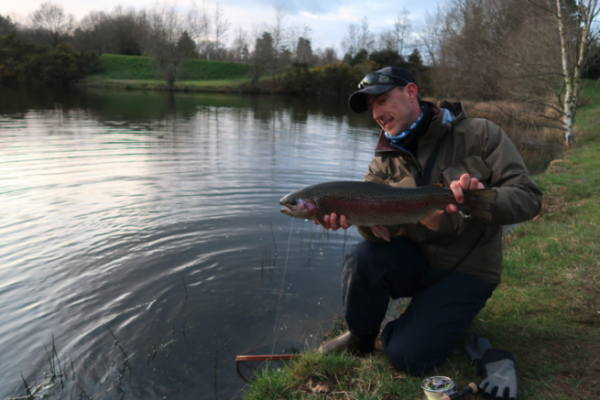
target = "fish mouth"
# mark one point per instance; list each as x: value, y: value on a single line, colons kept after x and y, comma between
x: 290, y: 210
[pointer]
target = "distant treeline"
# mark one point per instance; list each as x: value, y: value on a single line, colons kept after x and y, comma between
x: 480, y: 50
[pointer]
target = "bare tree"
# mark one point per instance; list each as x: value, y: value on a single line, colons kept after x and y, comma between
x: 402, y: 27
x: 359, y: 37
x: 239, y: 47
x: 278, y: 29
x: 198, y: 24
x: 350, y: 43
x: 118, y: 32
x: 221, y: 28
x: 431, y: 35
x: 166, y: 28
x: 366, y: 38
x: 386, y: 41
x: 51, y: 21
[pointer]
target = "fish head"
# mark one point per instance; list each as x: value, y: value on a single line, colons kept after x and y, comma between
x: 299, y: 208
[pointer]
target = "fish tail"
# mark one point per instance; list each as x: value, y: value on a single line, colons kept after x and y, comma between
x: 479, y: 203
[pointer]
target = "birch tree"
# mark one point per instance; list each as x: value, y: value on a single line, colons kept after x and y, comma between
x: 576, y: 37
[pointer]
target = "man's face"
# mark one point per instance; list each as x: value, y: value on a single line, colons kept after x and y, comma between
x: 393, y: 110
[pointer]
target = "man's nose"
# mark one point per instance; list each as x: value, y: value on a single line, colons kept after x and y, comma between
x: 376, y: 113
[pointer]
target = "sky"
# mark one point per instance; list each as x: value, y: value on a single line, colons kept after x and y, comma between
x: 328, y: 20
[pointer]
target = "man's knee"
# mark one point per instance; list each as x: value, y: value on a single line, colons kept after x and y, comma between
x: 413, y: 350
x: 414, y: 356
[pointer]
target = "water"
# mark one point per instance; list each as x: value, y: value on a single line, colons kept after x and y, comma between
x: 157, y: 217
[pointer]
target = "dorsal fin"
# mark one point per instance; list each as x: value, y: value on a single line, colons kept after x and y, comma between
x: 380, y: 181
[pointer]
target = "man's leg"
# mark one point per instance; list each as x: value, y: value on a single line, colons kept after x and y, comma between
x: 425, y: 334
x: 372, y: 273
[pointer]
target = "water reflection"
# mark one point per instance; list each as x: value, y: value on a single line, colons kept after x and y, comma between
x: 157, y: 217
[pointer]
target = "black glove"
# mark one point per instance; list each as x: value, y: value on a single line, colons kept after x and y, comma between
x: 496, y: 366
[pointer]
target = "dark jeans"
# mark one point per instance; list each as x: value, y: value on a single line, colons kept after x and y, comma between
x: 443, y: 303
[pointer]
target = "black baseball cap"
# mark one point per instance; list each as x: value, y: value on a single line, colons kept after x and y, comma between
x: 378, y: 82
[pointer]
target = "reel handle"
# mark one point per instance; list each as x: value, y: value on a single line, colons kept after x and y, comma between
x: 472, y: 388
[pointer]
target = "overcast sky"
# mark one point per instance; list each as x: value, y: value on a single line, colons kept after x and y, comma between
x: 328, y: 19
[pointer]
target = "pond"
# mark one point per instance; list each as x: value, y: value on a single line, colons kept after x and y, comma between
x: 141, y: 238
x: 141, y: 243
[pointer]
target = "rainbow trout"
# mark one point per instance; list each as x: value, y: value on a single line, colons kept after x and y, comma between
x: 377, y: 204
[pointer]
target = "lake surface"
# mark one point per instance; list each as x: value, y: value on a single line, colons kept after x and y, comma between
x: 156, y: 216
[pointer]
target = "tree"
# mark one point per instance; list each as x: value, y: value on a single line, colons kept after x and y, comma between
x: 165, y: 30
x: 198, y: 26
x: 6, y: 25
x: 329, y: 56
x: 239, y: 47
x: 431, y: 35
x: 221, y: 28
x: 415, y: 57
x: 359, y: 37
x: 350, y: 43
x: 118, y: 32
x: 386, y: 58
x: 304, y: 51
x: 187, y: 46
x: 51, y: 21
x: 401, y: 31
x: 574, y: 22
x: 264, y: 56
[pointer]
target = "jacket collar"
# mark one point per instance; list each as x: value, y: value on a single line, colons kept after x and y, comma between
x: 436, y: 130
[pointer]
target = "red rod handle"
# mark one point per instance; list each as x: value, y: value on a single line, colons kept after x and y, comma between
x: 267, y: 357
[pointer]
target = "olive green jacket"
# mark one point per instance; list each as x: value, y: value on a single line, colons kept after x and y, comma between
x: 476, y: 147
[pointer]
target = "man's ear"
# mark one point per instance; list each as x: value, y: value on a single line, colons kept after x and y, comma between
x: 412, y: 91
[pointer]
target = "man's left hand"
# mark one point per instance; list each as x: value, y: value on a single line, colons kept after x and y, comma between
x: 464, y: 183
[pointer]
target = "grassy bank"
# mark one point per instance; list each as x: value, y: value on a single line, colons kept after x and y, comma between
x: 546, y: 311
x: 132, y: 72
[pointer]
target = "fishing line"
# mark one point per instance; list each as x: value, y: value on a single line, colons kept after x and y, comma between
x: 281, y: 290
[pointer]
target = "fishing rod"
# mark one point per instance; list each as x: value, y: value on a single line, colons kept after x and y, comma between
x: 267, y: 357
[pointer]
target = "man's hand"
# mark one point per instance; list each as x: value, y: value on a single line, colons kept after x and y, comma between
x: 464, y: 183
x: 331, y: 222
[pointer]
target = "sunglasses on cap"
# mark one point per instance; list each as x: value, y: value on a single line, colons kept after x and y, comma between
x: 375, y: 78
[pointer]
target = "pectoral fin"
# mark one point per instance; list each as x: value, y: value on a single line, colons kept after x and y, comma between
x: 382, y: 232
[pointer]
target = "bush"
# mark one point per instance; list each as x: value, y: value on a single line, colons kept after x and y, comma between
x: 335, y: 79
x: 28, y: 63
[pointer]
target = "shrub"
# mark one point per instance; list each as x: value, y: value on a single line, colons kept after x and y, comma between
x: 25, y: 62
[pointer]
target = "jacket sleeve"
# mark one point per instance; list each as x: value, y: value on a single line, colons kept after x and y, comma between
x: 519, y: 197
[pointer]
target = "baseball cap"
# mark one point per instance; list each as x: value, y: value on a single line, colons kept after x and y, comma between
x: 378, y: 82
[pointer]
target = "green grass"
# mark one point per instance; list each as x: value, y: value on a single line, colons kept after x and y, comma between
x: 546, y: 311
x: 144, y: 73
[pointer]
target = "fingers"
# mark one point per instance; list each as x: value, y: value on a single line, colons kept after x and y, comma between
x: 456, y: 188
x: 344, y: 222
x: 331, y: 222
x: 465, y: 182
